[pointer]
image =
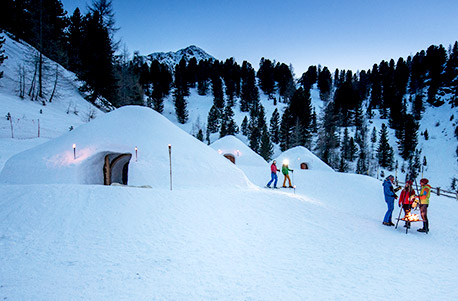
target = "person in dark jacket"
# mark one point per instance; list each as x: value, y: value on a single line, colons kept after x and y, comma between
x: 390, y: 195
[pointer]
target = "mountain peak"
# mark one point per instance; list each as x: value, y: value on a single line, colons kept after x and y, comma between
x: 172, y: 58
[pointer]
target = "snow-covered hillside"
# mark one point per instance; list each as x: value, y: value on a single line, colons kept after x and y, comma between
x: 215, y: 235
x: 67, y: 110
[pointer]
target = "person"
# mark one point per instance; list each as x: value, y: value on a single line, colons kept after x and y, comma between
x: 273, y: 174
x: 406, y: 200
x: 390, y: 195
x: 425, y: 193
x: 285, y: 171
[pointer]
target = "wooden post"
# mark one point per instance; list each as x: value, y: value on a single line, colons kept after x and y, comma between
x: 38, y: 128
x: 11, y: 123
x: 170, y: 161
x: 438, y: 191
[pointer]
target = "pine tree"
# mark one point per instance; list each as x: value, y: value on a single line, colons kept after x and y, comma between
x: 417, y: 107
x: 244, y: 126
x: 75, y: 42
x: 436, y: 57
x: 345, y: 145
x: 266, y: 77
x: 343, y: 166
x: 213, y: 120
x: 217, y: 89
x: 408, y: 139
x: 325, y: 83
x: 255, y: 139
x: 417, y: 73
x: 2, y: 55
x: 249, y: 91
x: 361, y: 165
x: 181, y: 81
x: 180, y: 106
x: 328, y: 140
x: 285, y: 130
x: 414, y: 165
x: 275, y: 126
x: 309, y: 78
x: 228, y: 125
x: 161, y: 80
x: 203, y: 71
x: 353, y: 149
x: 266, y: 147
x: 200, y: 135
x: 384, y: 150
x: 285, y: 81
x: 376, y: 90
x: 97, y: 60
x: 301, y: 116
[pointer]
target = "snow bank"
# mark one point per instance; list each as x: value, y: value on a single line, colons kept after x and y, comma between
x: 242, y: 153
x: 252, y: 164
x: 298, y: 155
x: 119, y: 132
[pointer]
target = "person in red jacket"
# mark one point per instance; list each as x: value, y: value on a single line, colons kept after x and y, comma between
x: 273, y: 173
x: 406, y: 200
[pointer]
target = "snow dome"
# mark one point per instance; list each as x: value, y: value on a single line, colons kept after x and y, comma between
x: 237, y: 152
x: 300, y: 157
x: 131, y: 145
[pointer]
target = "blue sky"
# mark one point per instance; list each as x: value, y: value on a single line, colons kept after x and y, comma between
x: 345, y: 34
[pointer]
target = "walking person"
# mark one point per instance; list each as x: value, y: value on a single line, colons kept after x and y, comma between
x: 390, y: 195
x: 273, y: 174
x: 285, y: 171
x: 406, y: 200
x: 425, y: 193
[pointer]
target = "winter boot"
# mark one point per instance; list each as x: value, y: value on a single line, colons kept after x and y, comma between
x: 425, y: 228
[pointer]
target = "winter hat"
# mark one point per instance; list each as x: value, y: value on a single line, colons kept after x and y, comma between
x: 409, y: 182
x: 389, y: 178
x: 424, y: 181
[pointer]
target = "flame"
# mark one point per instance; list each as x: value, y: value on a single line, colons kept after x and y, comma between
x: 412, y: 217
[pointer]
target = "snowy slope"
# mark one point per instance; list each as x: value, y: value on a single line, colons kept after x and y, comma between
x: 67, y: 109
x: 214, y: 236
x: 324, y: 242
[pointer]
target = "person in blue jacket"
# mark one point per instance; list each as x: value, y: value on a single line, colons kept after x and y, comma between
x: 390, y: 196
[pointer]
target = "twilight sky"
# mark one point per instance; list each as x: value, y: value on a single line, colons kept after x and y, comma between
x: 344, y: 34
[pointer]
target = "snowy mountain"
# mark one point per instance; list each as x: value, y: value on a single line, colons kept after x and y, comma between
x: 172, y: 58
x: 64, y: 236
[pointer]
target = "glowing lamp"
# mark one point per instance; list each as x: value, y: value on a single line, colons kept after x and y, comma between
x: 286, y: 162
x: 74, y: 151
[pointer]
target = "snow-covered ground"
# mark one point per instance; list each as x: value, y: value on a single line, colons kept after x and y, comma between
x: 217, y: 239
x: 215, y: 236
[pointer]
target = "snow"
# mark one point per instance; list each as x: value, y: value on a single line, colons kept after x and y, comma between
x: 215, y: 236
x: 298, y: 155
x: 120, y: 132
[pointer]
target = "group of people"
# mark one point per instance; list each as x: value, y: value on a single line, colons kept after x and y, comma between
x: 408, y: 200
x: 285, y: 171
